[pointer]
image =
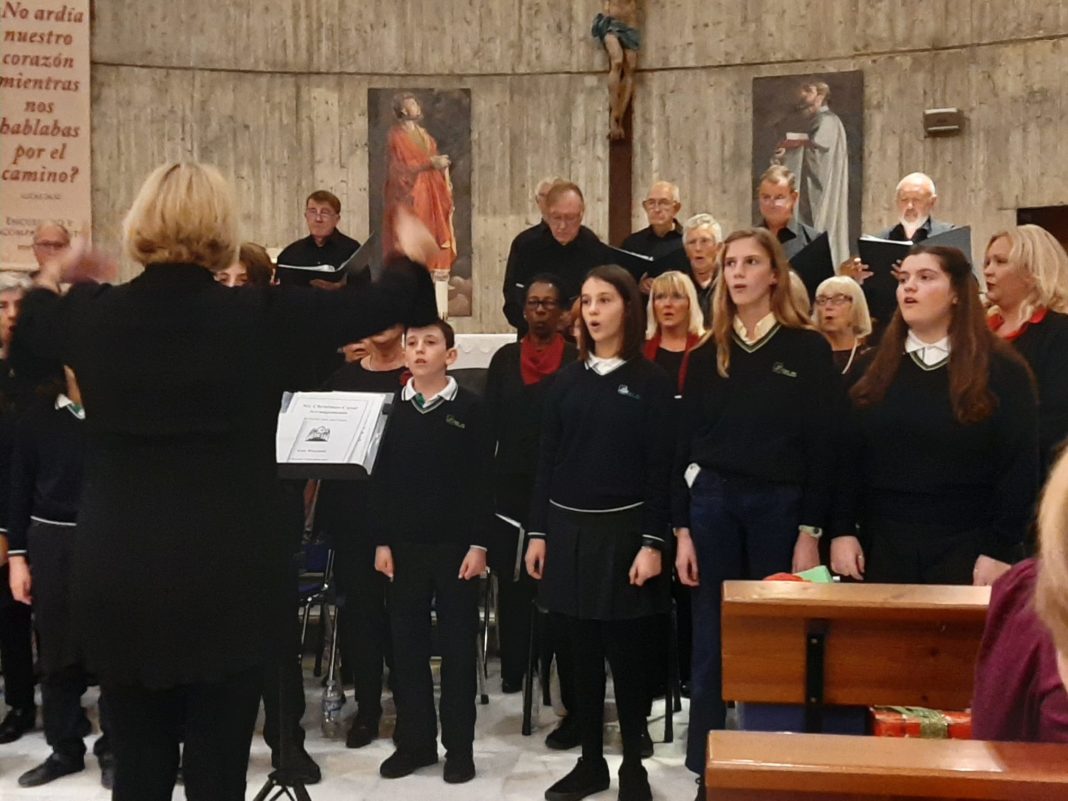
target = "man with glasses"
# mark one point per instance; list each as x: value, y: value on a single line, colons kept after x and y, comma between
x: 323, y: 245
x: 565, y: 248
x: 663, y: 235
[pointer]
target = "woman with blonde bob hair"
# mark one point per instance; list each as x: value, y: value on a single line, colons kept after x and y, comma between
x: 1026, y: 274
x: 841, y: 315
x: 181, y: 380
x: 752, y: 473
x: 674, y: 323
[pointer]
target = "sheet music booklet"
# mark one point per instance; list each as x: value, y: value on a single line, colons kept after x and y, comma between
x: 330, y: 434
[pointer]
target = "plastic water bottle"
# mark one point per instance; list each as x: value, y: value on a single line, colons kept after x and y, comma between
x: 333, y: 701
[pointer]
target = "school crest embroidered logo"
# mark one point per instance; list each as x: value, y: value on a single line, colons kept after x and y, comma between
x: 781, y: 369
x: 625, y: 391
x: 452, y: 421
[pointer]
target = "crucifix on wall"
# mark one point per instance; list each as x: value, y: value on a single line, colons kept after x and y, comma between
x: 617, y: 29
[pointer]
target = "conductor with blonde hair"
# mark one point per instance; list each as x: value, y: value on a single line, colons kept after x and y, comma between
x: 181, y: 379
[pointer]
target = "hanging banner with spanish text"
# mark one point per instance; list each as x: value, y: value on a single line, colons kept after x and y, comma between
x: 44, y: 122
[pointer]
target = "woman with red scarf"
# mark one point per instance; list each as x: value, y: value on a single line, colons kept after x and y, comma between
x: 1026, y: 274
x: 675, y: 324
x: 518, y: 380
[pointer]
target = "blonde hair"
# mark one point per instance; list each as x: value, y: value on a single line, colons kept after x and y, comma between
x: 799, y: 293
x: 183, y: 213
x: 675, y: 281
x: 1051, y: 596
x: 783, y: 305
x: 861, y: 320
x: 1037, y: 251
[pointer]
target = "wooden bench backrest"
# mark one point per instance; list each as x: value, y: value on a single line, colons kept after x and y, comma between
x: 906, y: 645
x: 755, y: 766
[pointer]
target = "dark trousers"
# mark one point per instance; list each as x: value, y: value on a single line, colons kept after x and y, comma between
x: 910, y: 553
x: 16, y: 647
x: 624, y: 644
x: 65, y: 722
x: 425, y: 576
x: 219, y: 719
x: 283, y: 679
x: 742, y: 528
x: 364, y: 624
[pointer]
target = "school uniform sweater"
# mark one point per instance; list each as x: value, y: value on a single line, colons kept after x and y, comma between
x: 908, y: 459
x: 46, y: 470
x: 432, y: 479
x: 772, y: 418
x: 606, y: 444
x: 1044, y: 346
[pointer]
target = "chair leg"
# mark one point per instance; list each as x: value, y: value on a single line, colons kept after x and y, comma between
x: 321, y: 641
x: 673, y: 677
x: 480, y: 666
x: 304, y: 628
x: 528, y: 679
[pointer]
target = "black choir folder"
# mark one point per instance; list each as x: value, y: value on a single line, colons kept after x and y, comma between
x: 330, y: 434
x: 813, y: 263
x: 351, y: 268
x: 884, y: 255
x: 638, y: 264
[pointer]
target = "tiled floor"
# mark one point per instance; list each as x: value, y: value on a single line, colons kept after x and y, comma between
x: 510, y: 767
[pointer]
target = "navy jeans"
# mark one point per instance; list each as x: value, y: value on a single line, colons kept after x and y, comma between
x: 742, y: 528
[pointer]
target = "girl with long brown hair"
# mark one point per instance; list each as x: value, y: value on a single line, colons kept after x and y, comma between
x: 941, y: 469
x: 752, y: 474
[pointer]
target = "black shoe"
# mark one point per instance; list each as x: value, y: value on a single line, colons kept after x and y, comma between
x: 565, y: 736
x: 402, y: 763
x: 634, y: 783
x: 509, y: 687
x: 16, y: 723
x: 458, y: 769
x: 107, y: 770
x: 299, y: 765
x: 684, y: 689
x: 647, y: 743
x: 361, y: 733
x: 51, y: 769
x: 702, y: 791
x: 586, y: 778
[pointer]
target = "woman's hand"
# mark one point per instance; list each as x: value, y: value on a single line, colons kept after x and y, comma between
x: 987, y: 571
x: 806, y: 553
x: 646, y: 565
x: 474, y: 564
x: 21, y: 580
x: 847, y: 557
x: 384, y: 561
x: 686, y: 558
x: 535, y: 559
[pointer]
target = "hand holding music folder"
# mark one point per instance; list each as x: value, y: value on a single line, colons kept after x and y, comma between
x: 883, y: 257
x: 330, y: 434
x: 355, y: 267
x: 638, y: 264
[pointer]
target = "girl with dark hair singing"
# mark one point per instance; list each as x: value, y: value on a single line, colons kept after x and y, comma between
x: 599, y: 520
x: 752, y: 475
x: 941, y: 467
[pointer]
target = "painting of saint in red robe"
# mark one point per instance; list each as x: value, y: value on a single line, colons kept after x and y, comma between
x: 420, y: 161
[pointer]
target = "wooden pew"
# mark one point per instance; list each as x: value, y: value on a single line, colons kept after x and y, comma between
x: 756, y: 766
x: 850, y: 644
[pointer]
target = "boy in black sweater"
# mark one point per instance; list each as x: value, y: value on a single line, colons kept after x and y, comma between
x: 46, y: 488
x: 434, y: 507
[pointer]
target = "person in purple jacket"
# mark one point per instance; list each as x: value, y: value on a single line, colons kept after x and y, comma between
x: 1022, y: 669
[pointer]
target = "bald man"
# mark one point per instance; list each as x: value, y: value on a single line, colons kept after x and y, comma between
x: 915, y: 197
x: 663, y: 235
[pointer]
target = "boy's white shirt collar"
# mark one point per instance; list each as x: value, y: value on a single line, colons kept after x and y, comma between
x: 931, y: 353
x: 446, y: 394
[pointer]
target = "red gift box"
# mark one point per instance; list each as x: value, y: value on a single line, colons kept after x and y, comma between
x: 905, y: 721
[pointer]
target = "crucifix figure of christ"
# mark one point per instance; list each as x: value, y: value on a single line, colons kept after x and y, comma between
x: 617, y: 29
